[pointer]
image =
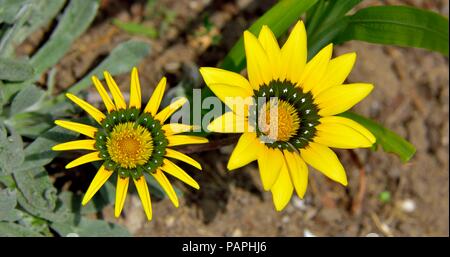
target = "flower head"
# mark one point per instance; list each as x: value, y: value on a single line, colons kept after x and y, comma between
x: 290, y: 119
x: 131, y: 142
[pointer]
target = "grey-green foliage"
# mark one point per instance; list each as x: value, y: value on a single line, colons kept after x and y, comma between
x: 30, y: 205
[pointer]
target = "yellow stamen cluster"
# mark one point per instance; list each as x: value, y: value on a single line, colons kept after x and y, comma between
x: 282, y: 123
x: 130, y: 145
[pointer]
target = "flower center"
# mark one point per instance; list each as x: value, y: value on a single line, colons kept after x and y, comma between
x: 279, y: 120
x: 291, y: 125
x: 129, y: 145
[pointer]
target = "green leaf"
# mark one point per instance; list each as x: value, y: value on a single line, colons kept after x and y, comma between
x: 279, y: 18
x: 16, y: 230
x: 389, y: 140
x: 120, y: 60
x: 9, y: 10
x: 27, y: 99
x: 41, y: 13
x: 15, y: 70
x: 30, y: 124
x: 80, y: 226
x: 398, y: 25
x: 8, y: 201
x: 11, y: 151
x: 39, y: 153
x: 77, y: 17
x: 136, y: 28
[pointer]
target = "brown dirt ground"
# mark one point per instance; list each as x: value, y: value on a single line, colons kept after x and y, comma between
x: 411, y: 97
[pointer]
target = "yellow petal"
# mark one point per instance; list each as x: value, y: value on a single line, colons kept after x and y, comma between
x: 225, y: 83
x: 230, y: 123
x: 340, y: 132
x: 100, y: 178
x: 185, y: 140
x: 258, y: 67
x: 315, y: 69
x: 269, y: 43
x: 121, y: 194
x: 141, y: 186
x: 77, y: 127
x: 165, y: 184
x: 325, y: 160
x: 169, y: 110
x: 103, y: 94
x: 90, y: 157
x: 341, y: 98
x: 269, y: 162
x: 115, y: 91
x: 135, y: 90
x: 246, y: 151
x: 298, y: 172
x: 282, y: 189
x: 94, y: 112
x: 176, y: 128
x: 293, y: 54
x: 155, y: 100
x: 177, y: 172
x: 336, y: 73
x: 182, y: 157
x: 86, y: 144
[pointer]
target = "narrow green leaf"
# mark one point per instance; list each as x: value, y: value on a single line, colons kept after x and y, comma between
x: 77, y: 17
x: 27, y: 99
x: 8, y: 201
x: 83, y: 227
x: 9, y: 9
x: 136, y: 28
x: 15, y: 70
x: 11, y: 151
x: 389, y: 140
x: 398, y: 25
x: 279, y: 18
x: 16, y: 230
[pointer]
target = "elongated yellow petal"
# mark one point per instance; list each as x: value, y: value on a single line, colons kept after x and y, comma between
x: 172, y: 169
x: 340, y: 132
x: 165, y: 184
x: 325, y: 160
x: 86, y: 144
x: 176, y: 128
x: 246, y: 150
x: 142, y: 188
x: 282, y: 189
x: 315, y: 69
x: 94, y: 112
x: 77, y: 127
x: 293, y: 54
x: 258, y: 66
x: 169, y: 110
x: 269, y: 162
x: 225, y: 83
x: 269, y: 43
x: 230, y: 123
x: 103, y: 94
x: 115, y: 91
x: 185, y: 140
x: 100, y: 178
x: 336, y: 73
x: 90, y: 157
x: 182, y: 157
x: 155, y: 100
x: 135, y: 90
x: 341, y: 98
x: 121, y: 194
x: 298, y: 172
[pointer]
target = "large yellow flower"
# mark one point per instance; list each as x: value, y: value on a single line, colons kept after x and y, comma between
x: 307, y: 94
x: 131, y: 142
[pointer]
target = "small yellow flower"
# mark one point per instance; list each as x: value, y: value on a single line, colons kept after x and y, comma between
x: 309, y: 94
x: 131, y: 142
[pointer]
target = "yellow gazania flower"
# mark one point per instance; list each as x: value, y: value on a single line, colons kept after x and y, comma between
x: 309, y: 95
x: 131, y: 142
